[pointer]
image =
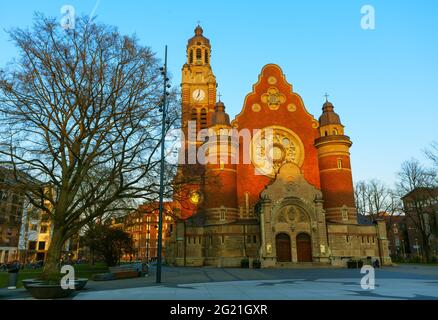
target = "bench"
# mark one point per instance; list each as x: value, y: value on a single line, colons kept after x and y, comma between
x: 125, y: 271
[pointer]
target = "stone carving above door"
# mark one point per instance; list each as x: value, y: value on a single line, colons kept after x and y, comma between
x: 290, y: 183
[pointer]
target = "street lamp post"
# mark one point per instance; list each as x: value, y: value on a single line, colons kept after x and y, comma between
x: 163, y: 109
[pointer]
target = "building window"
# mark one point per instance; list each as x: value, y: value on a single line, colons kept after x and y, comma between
x: 43, y: 229
x: 198, y: 54
x: 335, y: 132
x: 344, y: 212
x: 200, y: 240
x: 223, y: 214
x: 194, y: 115
x: 339, y: 163
x: 203, y: 119
x: 248, y: 239
x: 254, y: 239
x: 32, y: 245
x: 222, y: 239
x: 191, y: 57
x: 222, y: 164
x: 42, y: 245
x: 206, y: 56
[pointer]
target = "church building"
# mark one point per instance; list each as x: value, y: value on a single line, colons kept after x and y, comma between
x: 283, y: 202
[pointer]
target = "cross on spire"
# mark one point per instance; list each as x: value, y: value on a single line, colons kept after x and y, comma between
x: 199, y: 22
x: 220, y: 96
x: 326, y: 97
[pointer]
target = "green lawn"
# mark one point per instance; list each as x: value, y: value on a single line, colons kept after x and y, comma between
x: 82, y: 271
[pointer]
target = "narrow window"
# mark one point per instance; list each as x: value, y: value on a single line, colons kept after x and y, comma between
x: 339, y: 163
x: 206, y: 56
x: 198, y: 54
x: 344, y: 214
x: 222, y: 164
x: 194, y: 114
x: 203, y: 118
x: 223, y: 214
x: 254, y: 239
x: 223, y: 239
x: 191, y: 57
x: 335, y: 132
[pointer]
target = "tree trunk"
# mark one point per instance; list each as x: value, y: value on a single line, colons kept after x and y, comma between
x: 51, y: 266
x: 426, y: 248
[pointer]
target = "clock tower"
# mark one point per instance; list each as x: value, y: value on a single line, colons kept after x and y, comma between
x: 198, y: 85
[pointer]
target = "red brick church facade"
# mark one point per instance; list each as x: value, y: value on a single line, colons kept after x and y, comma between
x: 291, y: 201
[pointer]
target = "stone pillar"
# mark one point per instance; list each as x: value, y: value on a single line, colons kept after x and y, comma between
x: 2, y: 256
x: 324, y: 250
x: 267, y: 255
x: 385, y: 259
x: 180, y: 243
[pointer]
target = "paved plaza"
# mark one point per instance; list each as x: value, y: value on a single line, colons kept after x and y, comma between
x: 400, y: 282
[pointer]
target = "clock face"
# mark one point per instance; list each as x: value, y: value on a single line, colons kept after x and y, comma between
x: 198, y: 95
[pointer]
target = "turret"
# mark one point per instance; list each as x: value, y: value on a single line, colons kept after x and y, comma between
x: 335, y: 167
x: 222, y: 151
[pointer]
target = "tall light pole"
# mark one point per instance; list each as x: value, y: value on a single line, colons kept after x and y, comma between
x: 163, y: 109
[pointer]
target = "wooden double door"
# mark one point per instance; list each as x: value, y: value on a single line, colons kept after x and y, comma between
x: 284, y: 250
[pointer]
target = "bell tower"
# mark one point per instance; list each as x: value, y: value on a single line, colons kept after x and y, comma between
x: 198, y: 85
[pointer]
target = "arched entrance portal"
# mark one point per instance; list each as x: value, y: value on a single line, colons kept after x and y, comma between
x: 283, y: 248
x: 304, y: 248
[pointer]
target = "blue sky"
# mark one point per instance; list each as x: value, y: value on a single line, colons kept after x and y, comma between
x: 383, y: 82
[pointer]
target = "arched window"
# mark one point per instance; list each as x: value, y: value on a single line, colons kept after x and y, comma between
x: 206, y: 56
x: 339, y: 163
x: 223, y: 213
x: 335, y: 132
x: 191, y: 57
x: 325, y: 133
x: 198, y: 54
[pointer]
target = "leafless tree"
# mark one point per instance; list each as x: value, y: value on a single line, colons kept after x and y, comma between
x: 417, y: 186
x: 79, y: 112
x: 375, y: 199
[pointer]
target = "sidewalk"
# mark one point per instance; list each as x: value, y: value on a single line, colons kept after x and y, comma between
x: 404, y: 282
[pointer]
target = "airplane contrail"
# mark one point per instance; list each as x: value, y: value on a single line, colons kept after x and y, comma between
x: 94, y: 10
